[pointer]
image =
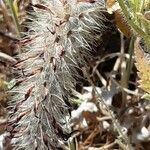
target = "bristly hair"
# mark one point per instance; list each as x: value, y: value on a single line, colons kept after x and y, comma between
x: 60, y: 33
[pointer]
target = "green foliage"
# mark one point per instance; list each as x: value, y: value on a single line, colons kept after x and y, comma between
x: 135, y: 12
x: 138, y: 17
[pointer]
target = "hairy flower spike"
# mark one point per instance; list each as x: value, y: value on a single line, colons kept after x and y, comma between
x: 61, y: 33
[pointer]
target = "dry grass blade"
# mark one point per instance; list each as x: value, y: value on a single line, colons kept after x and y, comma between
x: 7, y: 57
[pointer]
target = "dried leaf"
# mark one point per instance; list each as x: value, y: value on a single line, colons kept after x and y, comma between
x: 143, y: 66
x: 120, y: 20
x: 122, y: 24
x: 110, y: 3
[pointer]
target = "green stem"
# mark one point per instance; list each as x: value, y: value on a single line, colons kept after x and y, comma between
x: 15, y: 18
x: 130, y: 62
